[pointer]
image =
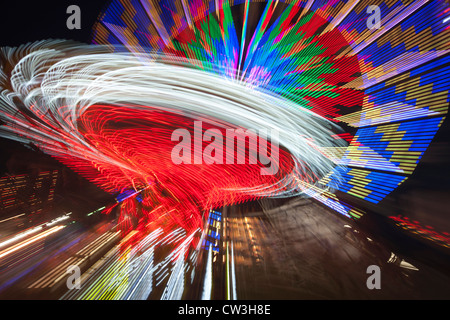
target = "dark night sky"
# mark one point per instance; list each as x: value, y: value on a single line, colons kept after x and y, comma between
x: 26, y: 21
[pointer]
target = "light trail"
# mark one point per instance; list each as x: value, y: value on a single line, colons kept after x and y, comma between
x: 29, y: 241
x: 110, y: 116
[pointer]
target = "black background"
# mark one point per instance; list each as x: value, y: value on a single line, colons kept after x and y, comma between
x: 28, y: 21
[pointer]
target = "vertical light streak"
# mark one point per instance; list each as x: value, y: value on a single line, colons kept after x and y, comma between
x: 233, y: 275
x: 207, y: 282
x: 175, y: 286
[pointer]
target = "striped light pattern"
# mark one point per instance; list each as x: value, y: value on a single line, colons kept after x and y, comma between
x: 111, y: 117
x: 388, y: 86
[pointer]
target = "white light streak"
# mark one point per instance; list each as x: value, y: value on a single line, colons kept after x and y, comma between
x: 58, y: 82
x: 207, y: 284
